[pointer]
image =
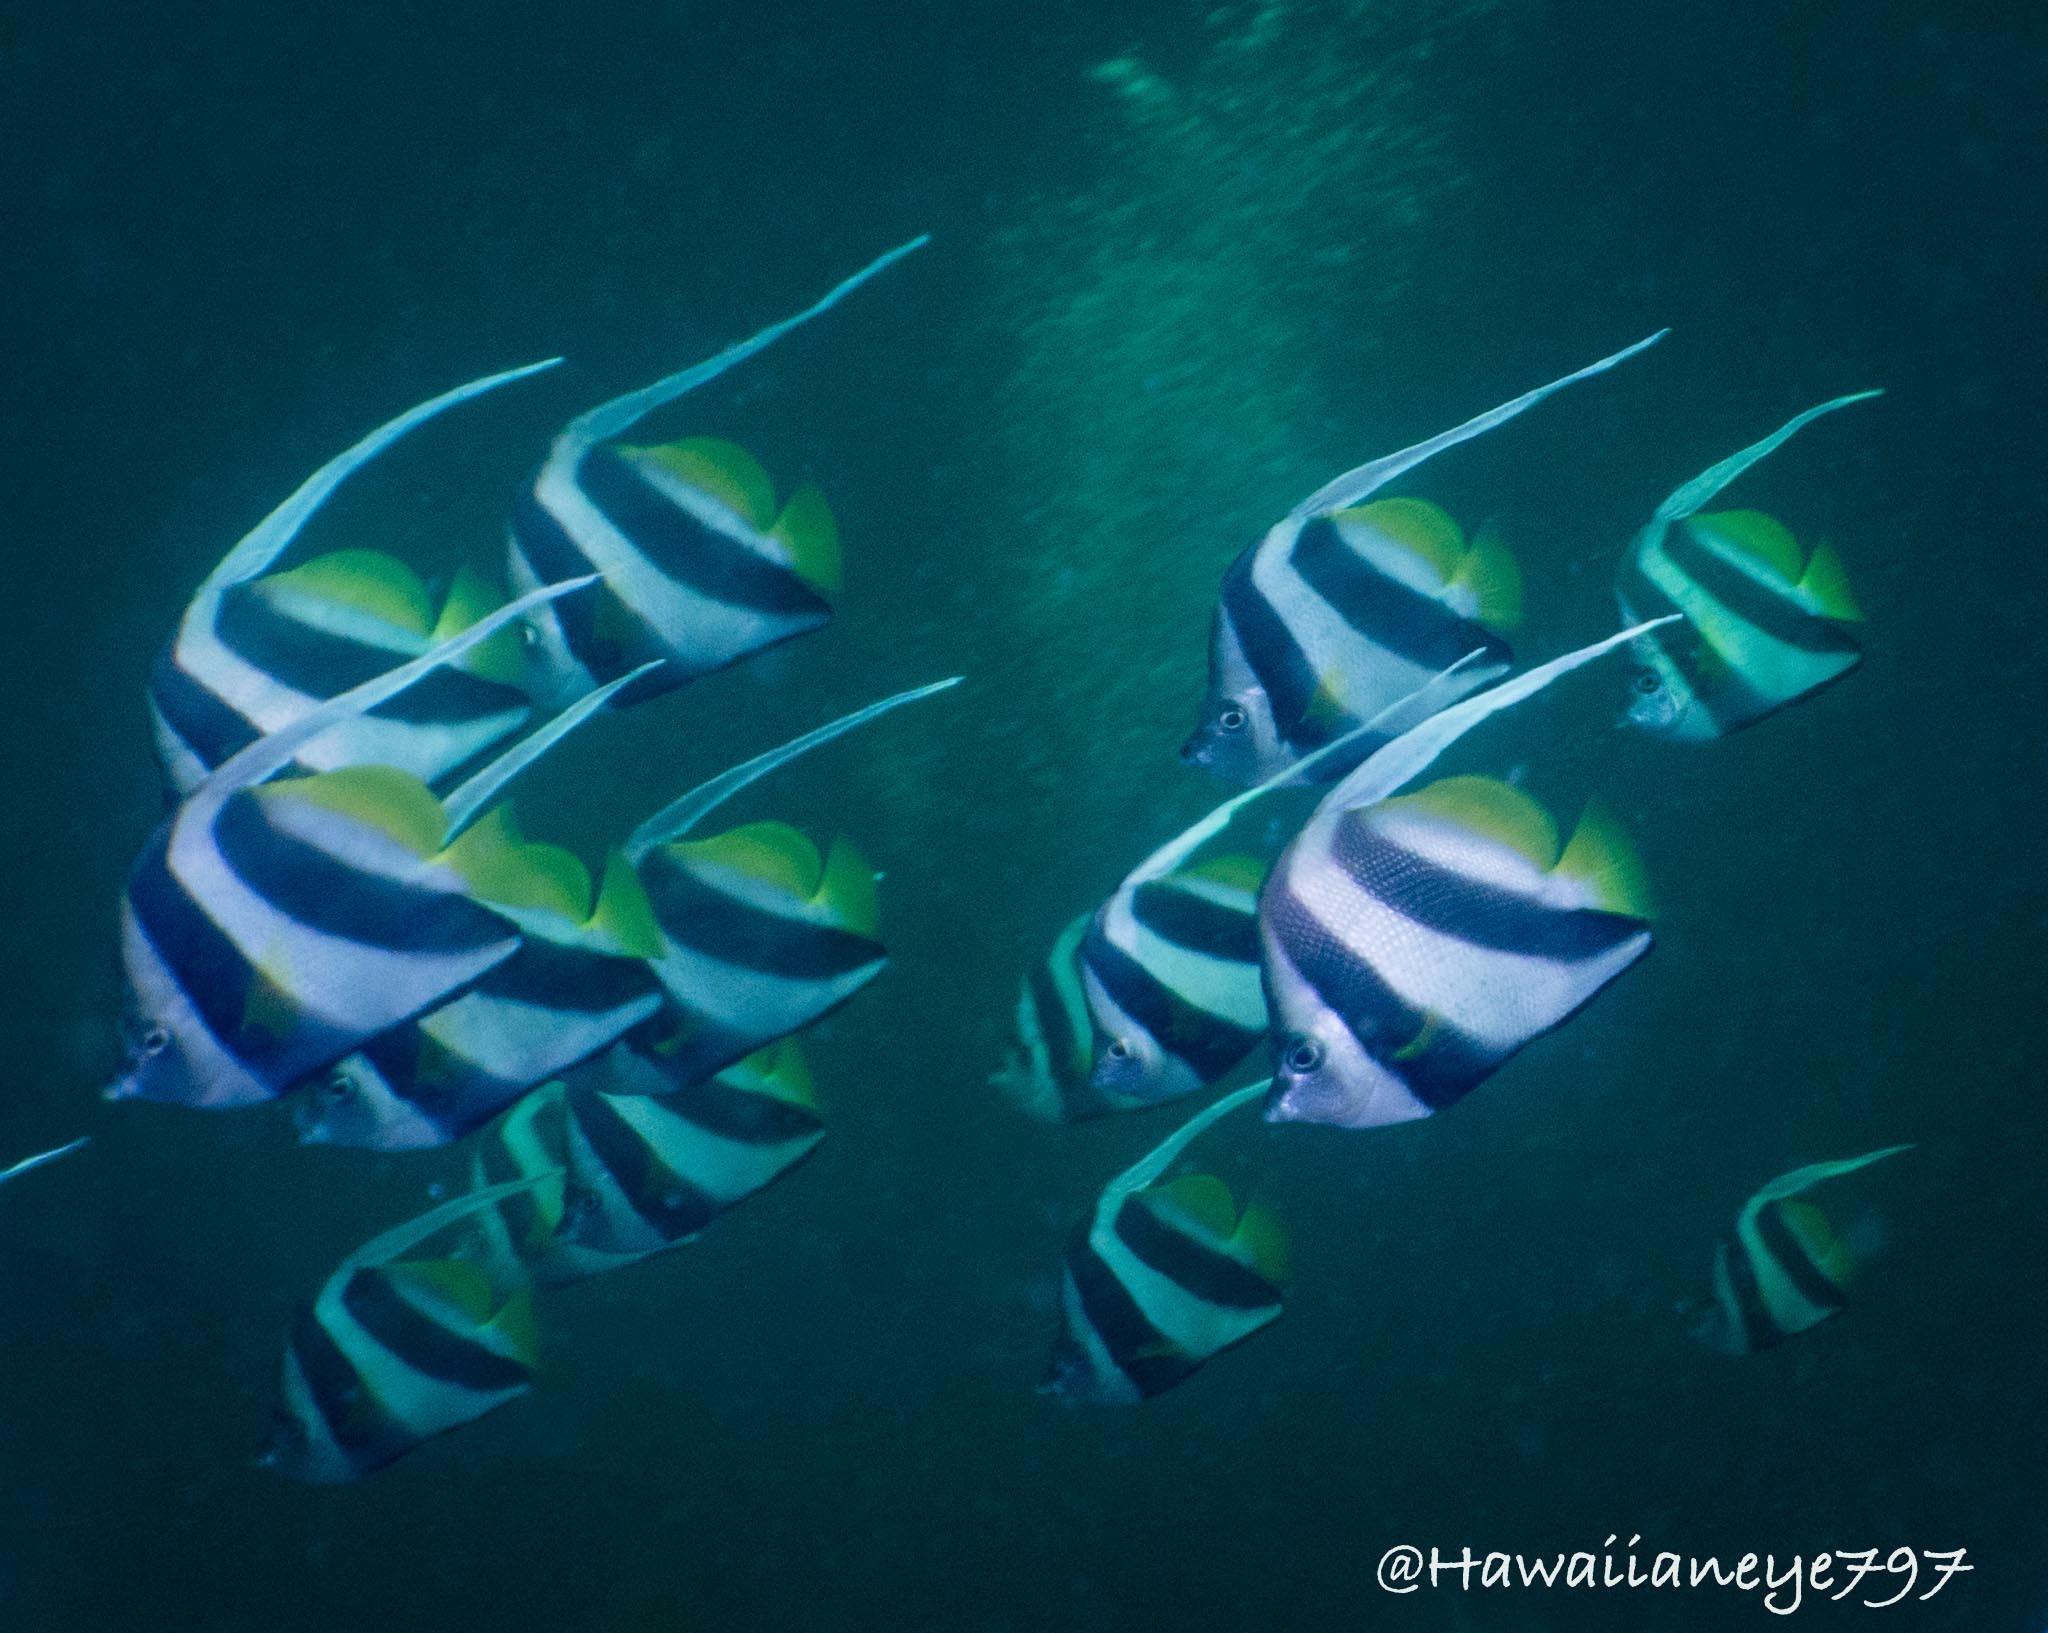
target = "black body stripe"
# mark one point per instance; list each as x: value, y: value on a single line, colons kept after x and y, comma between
x: 669, y: 1204
x: 422, y: 1343
x: 1208, y: 1044
x: 1193, y: 1266
x: 1448, y: 1069
x: 207, y: 725
x: 1274, y: 657
x: 1813, y: 1283
x: 1479, y: 914
x: 1382, y: 610
x: 1755, y: 1327
x: 684, y: 550
x: 1777, y: 616
x: 570, y: 979
x: 1141, y: 1352
x: 1196, y: 922
x: 553, y: 555
x: 1065, y: 1048
x: 695, y: 914
x: 325, y: 894
x: 742, y: 1116
x: 366, y: 1434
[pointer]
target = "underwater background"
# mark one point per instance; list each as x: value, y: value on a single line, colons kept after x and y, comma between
x: 1187, y: 261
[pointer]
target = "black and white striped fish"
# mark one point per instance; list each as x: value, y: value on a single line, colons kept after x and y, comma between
x: 1408, y: 950
x: 1766, y: 620
x: 395, y: 1350
x: 1413, y: 945
x: 269, y: 928
x: 256, y: 649
x: 647, y: 1171
x: 1045, y: 1072
x: 760, y: 937
x: 699, y: 565
x: 1170, y: 967
x: 1344, y: 612
x: 1785, y: 1269
x: 579, y: 982
x: 1163, y: 1277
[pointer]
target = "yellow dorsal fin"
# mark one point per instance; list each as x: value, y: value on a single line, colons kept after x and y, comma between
x: 500, y: 867
x: 779, y: 1071
x: 1751, y: 533
x: 1245, y: 873
x: 623, y: 916
x: 1602, y: 857
x: 366, y: 581
x: 722, y: 469
x: 1825, y: 586
x: 470, y: 597
x: 1491, y: 809
x: 1262, y: 1241
x: 811, y: 537
x: 848, y: 888
x: 1490, y: 573
x: 394, y: 802
x: 1200, y: 1205
x: 1422, y: 529
x: 449, y: 1283
x: 517, y: 1331
x: 1814, y: 1233
x: 772, y: 852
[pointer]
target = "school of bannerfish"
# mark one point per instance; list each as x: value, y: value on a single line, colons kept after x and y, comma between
x: 340, y: 913
x: 1405, y: 941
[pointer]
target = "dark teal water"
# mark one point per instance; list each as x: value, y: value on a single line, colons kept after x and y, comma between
x: 1157, y: 310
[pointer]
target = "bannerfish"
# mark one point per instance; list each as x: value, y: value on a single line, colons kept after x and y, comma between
x: 395, y: 1350
x: 1163, y: 1277
x: 1385, y: 936
x: 700, y: 566
x: 760, y: 936
x: 269, y: 928
x: 647, y: 1171
x: 1785, y: 1269
x: 1766, y: 620
x: 256, y: 649
x: 1045, y: 1071
x: 1413, y: 945
x: 1344, y: 609
x: 1171, y: 973
x: 522, y: 1233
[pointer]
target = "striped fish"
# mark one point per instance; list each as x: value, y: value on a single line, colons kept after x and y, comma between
x: 523, y: 1234
x: 647, y: 1171
x: 256, y: 649
x: 395, y: 1350
x: 269, y: 928
x: 1045, y: 1072
x: 1413, y: 945
x: 1162, y: 1278
x: 1784, y: 1270
x: 578, y: 983
x: 1765, y: 619
x: 760, y: 937
x: 1170, y: 967
x: 1345, y: 610
x: 700, y: 566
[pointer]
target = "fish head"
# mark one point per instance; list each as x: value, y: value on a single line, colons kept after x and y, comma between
x: 583, y: 1223
x: 1321, y: 1074
x: 1070, y: 1375
x: 154, y: 1063
x: 1707, y: 1323
x: 1131, y: 1066
x: 1657, y: 700
x: 337, y: 1108
x: 1236, y: 738
x: 294, y: 1451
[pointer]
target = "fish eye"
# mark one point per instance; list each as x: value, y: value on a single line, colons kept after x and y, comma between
x: 1305, y: 1056
x: 336, y: 1086
x: 1230, y: 718
x: 155, y: 1041
x: 1120, y: 1049
x: 529, y: 633
x: 582, y: 1201
x: 1649, y: 682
